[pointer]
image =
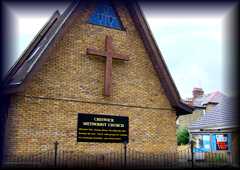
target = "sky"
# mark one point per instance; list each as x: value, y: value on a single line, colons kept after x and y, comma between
x: 190, y: 38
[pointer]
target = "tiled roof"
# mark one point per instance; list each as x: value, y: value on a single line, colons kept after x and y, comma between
x: 223, y: 115
x: 213, y: 97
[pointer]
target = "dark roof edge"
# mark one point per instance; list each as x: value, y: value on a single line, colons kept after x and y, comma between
x: 211, y: 103
x: 184, y: 109
x: 52, y: 38
x: 157, y: 59
x: 207, y: 127
x: 199, y: 107
x: 55, y: 16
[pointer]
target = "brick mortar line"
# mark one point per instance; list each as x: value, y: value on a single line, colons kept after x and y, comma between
x: 90, y: 102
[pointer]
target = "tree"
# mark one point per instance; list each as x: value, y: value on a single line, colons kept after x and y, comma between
x: 182, y: 136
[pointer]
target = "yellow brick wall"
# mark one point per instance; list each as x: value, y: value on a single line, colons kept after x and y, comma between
x: 72, y: 82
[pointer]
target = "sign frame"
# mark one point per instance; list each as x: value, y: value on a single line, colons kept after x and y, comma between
x: 102, y: 128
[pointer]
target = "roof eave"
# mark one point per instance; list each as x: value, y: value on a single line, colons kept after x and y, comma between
x: 183, y: 109
x: 61, y: 20
x: 30, y: 48
x: 214, y: 127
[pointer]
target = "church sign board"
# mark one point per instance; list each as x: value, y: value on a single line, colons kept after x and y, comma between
x: 102, y: 128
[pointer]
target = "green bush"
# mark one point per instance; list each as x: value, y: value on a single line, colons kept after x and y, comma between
x: 182, y: 136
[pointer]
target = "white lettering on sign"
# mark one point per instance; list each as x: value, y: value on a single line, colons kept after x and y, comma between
x: 221, y: 138
x: 103, y: 119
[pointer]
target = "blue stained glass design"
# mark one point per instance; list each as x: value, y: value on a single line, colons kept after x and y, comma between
x: 105, y: 15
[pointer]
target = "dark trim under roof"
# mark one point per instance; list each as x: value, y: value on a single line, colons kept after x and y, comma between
x: 45, y: 39
x: 13, y: 72
x: 54, y: 26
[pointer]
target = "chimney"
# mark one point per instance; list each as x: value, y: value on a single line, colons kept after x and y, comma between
x: 197, y: 92
x: 188, y: 101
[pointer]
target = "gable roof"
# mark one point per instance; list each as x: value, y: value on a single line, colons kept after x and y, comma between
x: 34, y: 56
x: 221, y: 116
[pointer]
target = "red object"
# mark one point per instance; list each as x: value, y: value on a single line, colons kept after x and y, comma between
x: 109, y: 55
x: 222, y: 145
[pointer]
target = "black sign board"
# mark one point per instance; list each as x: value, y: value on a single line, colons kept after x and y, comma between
x: 102, y: 128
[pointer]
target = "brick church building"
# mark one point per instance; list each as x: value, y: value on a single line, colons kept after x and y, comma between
x: 94, y: 60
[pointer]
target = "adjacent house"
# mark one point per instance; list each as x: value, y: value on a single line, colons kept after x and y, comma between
x: 212, y: 125
x: 200, y: 103
x: 217, y: 130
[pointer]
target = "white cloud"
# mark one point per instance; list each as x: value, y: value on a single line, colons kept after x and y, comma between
x: 171, y: 21
x: 192, y: 76
x: 193, y: 50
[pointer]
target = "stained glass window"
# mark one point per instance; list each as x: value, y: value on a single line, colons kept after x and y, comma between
x: 105, y: 15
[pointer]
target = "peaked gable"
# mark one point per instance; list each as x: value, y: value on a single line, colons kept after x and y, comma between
x: 150, y: 46
x: 105, y: 15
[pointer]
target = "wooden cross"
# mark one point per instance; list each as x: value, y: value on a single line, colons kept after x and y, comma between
x: 109, y: 54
